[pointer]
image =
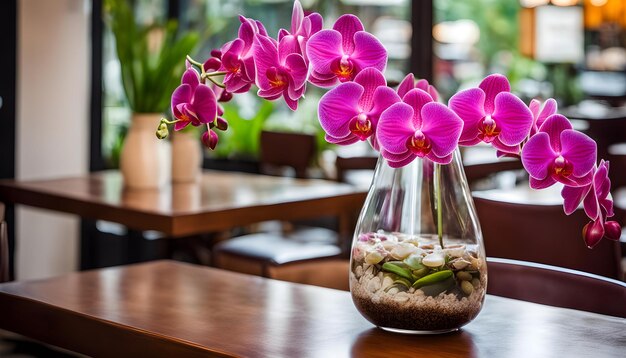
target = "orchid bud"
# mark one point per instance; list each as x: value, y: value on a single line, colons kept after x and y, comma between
x: 226, y: 96
x: 612, y: 230
x: 209, y: 139
x: 212, y: 64
x: 593, y: 233
x: 221, y: 124
x: 162, y: 131
x: 216, y: 53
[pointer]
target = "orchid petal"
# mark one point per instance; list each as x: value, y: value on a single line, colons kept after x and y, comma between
x: 181, y: 125
x: 322, y: 49
x: 317, y: 23
x: 396, y: 157
x: 337, y: 107
x: 407, y: 84
x: 554, y: 126
x: 401, y: 163
x: 394, y: 127
x: 370, y: 79
x: 348, y: 25
x: 191, y: 78
x: 384, y: 97
x: 513, y: 117
x: 442, y: 126
x: 342, y: 141
x: 292, y: 104
x: 297, y: 69
x: 368, y: 52
x: 265, y: 56
x: 441, y: 160
x: 580, y: 150
x: 468, y: 105
x: 590, y: 204
x: 205, y: 104
x: 287, y: 46
x: 549, y: 108
x: 271, y: 93
x: 572, y: 197
x: 182, y: 94
x: 539, y: 184
x: 297, y: 15
x: 537, y: 155
x: 492, y: 85
x: 416, y: 98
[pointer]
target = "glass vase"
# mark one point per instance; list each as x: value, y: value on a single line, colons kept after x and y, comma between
x: 418, y: 261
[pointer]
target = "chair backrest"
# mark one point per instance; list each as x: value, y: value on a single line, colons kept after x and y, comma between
x: 544, y: 234
x: 344, y: 164
x: 4, y: 247
x: 293, y: 150
x: 556, y: 286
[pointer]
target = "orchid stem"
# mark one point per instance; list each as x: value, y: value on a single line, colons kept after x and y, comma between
x: 163, y: 120
x: 215, y: 82
x: 439, y: 208
x: 216, y: 73
x: 194, y: 62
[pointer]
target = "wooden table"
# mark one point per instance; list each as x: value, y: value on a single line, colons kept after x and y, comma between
x: 220, y: 200
x: 168, y: 309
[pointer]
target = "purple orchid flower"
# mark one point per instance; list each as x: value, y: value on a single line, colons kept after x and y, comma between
x: 408, y: 83
x: 236, y: 57
x: 350, y: 111
x: 193, y: 102
x: 338, y: 55
x: 418, y: 127
x: 280, y: 70
x: 559, y: 153
x: 302, y: 28
x: 492, y: 115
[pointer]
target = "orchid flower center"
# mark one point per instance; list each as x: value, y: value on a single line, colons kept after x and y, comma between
x: 186, y: 114
x: 418, y: 144
x: 562, y: 167
x: 343, y: 68
x: 361, y: 126
x: 276, y: 78
x: 488, y: 129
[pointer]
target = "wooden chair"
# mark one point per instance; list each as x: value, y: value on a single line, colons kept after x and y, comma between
x: 4, y: 247
x: 292, y: 150
x: 304, y: 255
x: 556, y: 286
x: 543, y: 234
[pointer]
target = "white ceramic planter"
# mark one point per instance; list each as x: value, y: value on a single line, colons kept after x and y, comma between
x: 186, y: 157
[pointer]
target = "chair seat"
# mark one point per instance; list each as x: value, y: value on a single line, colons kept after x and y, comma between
x: 279, y: 250
x: 305, y: 256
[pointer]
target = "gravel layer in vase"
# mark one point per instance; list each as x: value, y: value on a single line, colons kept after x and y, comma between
x: 410, y: 283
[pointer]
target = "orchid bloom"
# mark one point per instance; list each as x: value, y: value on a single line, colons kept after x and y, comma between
x: 193, y: 102
x: 237, y: 58
x: 418, y: 127
x: 492, y: 115
x: 559, y: 153
x: 597, y: 204
x: 280, y: 70
x: 408, y: 83
x: 338, y: 55
x: 302, y: 28
x: 350, y: 111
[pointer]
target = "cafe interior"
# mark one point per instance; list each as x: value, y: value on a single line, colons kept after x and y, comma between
x: 476, y: 207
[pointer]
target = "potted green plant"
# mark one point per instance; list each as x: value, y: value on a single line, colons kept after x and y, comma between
x: 149, y: 57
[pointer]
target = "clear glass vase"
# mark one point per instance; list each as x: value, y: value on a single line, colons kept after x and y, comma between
x: 415, y: 268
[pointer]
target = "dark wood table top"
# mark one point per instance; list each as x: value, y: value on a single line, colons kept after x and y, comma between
x: 168, y: 309
x: 220, y: 200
